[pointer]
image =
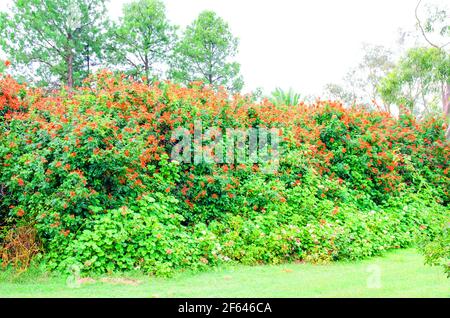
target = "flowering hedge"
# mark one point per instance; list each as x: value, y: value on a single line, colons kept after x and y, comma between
x: 71, y: 159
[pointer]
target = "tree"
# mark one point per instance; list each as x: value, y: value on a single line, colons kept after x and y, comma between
x: 361, y: 82
x: 143, y: 38
x: 204, y: 54
x: 435, y: 25
x: 437, y: 21
x: 376, y: 63
x: 338, y: 92
x: 417, y: 80
x: 421, y: 79
x: 56, y: 40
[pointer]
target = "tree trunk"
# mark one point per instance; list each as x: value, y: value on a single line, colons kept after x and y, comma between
x: 210, y: 79
x: 70, y: 71
x: 147, y: 69
x: 69, y: 62
x: 446, y: 106
x: 88, y: 59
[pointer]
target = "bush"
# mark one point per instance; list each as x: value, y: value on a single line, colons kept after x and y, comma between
x: 149, y: 236
x: 437, y: 250
x: 434, y: 242
x: 90, y: 170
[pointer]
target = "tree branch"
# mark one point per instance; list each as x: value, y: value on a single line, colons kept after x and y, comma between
x: 421, y: 28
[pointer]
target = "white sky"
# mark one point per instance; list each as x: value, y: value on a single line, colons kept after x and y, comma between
x: 302, y: 44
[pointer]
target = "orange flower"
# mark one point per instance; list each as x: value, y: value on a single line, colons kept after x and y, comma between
x: 20, y: 212
x: 7, y: 63
x: 20, y: 182
x: 335, y: 210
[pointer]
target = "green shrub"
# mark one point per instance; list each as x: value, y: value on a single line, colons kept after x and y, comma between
x: 90, y: 170
x: 149, y: 236
x: 437, y: 249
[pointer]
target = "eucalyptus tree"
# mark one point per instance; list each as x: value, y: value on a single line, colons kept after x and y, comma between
x: 421, y: 78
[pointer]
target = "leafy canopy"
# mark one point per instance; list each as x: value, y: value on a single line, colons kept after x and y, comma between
x: 204, y: 54
x: 417, y: 80
x: 53, y: 41
x: 143, y: 39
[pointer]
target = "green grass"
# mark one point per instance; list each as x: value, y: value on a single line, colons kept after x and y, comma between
x: 402, y: 274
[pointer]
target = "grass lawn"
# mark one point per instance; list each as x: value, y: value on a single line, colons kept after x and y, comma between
x: 401, y: 274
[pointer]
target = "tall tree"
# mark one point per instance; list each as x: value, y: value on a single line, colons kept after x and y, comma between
x: 361, y: 81
x: 143, y: 39
x: 417, y: 80
x: 339, y: 92
x: 205, y: 53
x: 57, y: 40
x: 421, y: 78
x: 436, y: 22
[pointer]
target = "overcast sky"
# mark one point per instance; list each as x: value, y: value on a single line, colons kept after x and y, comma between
x: 302, y: 44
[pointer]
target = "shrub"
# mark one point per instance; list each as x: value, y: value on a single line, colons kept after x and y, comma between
x: 149, y: 236
x: 437, y: 250
x: 90, y: 170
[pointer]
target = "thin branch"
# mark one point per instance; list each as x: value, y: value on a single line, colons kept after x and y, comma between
x: 131, y: 62
x: 421, y: 28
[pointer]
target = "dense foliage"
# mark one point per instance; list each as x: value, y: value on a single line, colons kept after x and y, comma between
x: 422, y: 73
x: 142, y: 40
x: 53, y: 42
x: 90, y: 169
x: 204, y: 53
